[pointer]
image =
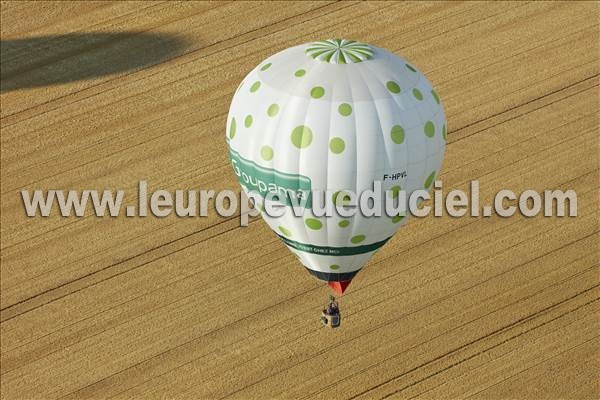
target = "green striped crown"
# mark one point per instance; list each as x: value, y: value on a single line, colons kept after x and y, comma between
x: 340, y: 51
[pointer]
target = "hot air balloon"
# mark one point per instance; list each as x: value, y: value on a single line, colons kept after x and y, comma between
x: 335, y: 115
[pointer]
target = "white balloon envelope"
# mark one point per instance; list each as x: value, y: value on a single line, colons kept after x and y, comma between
x: 335, y: 115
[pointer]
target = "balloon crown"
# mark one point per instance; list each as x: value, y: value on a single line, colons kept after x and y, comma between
x: 339, y: 51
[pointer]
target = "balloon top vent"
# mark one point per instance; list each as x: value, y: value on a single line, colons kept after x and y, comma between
x: 340, y: 51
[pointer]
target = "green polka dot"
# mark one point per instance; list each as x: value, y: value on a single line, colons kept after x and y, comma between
x: 417, y: 93
x: 232, y: 128
x: 301, y: 136
x: 266, y: 152
x: 255, y: 86
x: 435, y: 96
x: 337, y: 145
x: 265, y: 67
x: 285, y: 231
x: 248, y: 121
x: 344, y: 223
x: 410, y: 67
x: 393, y: 87
x: 299, y: 73
x: 334, y: 267
x: 397, y: 218
x: 429, y: 180
x: 313, y: 224
x: 395, y: 190
x: 317, y: 92
x: 340, y: 200
x: 272, y: 110
x: 429, y: 129
x: 357, y: 239
x: 397, y: 134
x: 345, y: 109
x: 444, y: 134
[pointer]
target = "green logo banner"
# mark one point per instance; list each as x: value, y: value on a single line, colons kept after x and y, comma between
x: 332, y: 251
x: 290, y: 189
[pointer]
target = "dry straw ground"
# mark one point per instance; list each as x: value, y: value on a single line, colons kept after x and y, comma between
x: 100, y: 95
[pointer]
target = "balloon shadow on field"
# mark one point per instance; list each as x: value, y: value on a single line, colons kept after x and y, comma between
x: 57, y: 59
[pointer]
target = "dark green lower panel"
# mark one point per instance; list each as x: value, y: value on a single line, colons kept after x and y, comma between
x: 332, y: 276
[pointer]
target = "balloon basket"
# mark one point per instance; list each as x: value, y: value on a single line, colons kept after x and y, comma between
x: 332, y: 321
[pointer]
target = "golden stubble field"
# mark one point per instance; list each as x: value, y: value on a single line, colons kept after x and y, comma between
x: 100, y: 95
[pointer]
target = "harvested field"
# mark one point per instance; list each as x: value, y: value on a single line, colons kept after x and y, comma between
x: 100, y: 95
